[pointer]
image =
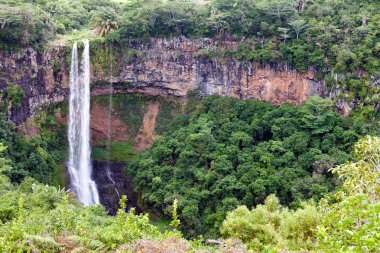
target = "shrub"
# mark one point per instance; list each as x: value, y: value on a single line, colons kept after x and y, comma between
x: 351, y: 222
x: 271, y: 225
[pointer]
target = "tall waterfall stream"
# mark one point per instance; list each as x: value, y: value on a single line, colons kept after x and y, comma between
x: 79, y: 162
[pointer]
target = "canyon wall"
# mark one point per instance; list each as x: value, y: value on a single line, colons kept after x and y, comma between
x: 158, y: 67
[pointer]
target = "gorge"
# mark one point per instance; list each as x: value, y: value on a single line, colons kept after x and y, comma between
x: 175, y: 126
x: 158, y: 68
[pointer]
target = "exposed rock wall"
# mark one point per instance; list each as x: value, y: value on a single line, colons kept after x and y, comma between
x: 44, y: 77
x: 145, y: 137
x: 110, y: 191
x: 160, y: 67
x: 177, y: 66
x: 99, y: 126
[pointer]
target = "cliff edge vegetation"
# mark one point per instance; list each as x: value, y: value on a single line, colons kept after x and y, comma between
x: 337, y: 39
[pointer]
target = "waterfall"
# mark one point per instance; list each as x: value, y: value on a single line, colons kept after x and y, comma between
x: 109, y: 121
x: 79, y: 163
x: 109, y: 126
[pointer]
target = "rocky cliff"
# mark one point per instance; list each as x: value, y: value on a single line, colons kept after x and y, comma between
x: 159, y: 67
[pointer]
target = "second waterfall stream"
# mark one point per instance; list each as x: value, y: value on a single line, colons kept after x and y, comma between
x: 79, y: 162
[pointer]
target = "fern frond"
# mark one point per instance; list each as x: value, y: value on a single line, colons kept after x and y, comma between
x: 75, y: 238
x: 79, y: 250
x: 95, y: 245
x: 43, y: 242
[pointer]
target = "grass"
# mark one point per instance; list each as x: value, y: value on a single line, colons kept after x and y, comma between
x: 162, y: 224
x: 121, y: 151
x: 130, y: 107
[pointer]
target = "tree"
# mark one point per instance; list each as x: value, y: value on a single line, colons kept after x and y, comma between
x: 175, y: 222
x: 284, y: 33
x: 302, y: 4
x: 233, y: 152
x: 363, y: 176
x: 104, y: 20
x: 24, y: 24
x: 351, y: 222
x: 217, y: 21
x: 278, y: 8
x: 346, y: 61
x: 8, y: 16
x: 298, y: 26
x: 4, y: 163
x: 270, y: 225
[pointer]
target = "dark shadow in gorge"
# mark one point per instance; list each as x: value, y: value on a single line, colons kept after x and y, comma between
x: 111, y: 192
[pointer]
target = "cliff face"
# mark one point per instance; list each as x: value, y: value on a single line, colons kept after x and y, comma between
x: 44, y: 77
x: 160, y: 67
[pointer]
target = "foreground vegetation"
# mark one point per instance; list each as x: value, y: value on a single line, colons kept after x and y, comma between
x: 348, y: 222
x: 40, y: 217
x: 33, y: 216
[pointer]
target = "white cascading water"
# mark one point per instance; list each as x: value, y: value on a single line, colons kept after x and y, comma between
x: 79, y: 163
x: 109, y: 130
x: 109, y: 126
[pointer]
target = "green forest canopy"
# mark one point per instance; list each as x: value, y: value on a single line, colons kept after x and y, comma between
x: 230, y: 152
x: 323, y: 34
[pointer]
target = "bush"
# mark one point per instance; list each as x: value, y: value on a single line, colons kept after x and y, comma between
x: 33, y: 215
x: 15, y: 94
x: 351, y: 222
x: 271, y: 225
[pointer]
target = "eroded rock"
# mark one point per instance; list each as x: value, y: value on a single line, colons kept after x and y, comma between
x: 160, y: 67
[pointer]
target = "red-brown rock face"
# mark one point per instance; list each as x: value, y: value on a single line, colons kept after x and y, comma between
x: 99, y: 125
x: 144, y: 139
x: 160, y: 67
x: 176, y: 67
x: 118, y: 127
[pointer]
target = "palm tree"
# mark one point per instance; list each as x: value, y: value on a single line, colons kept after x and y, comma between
x: 104, y: 20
